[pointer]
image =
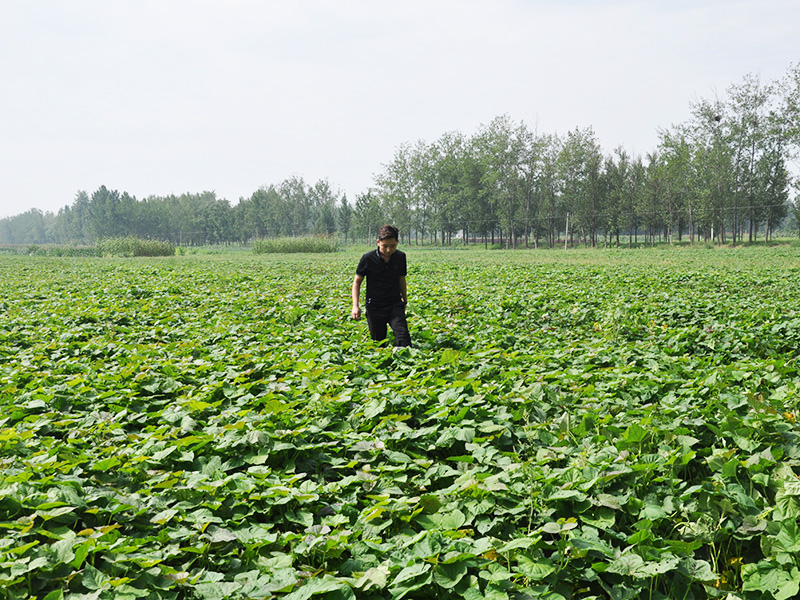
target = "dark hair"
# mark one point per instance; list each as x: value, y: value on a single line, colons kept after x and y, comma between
x: 388, y: 232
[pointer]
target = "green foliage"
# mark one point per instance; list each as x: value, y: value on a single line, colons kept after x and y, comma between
x: 568, y: 425
x: 132, y: 246
x: 50, y: 250
x: 290, y: 245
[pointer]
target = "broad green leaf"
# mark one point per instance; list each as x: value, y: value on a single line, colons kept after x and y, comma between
x: 769, y: 577
x: 164, y: 516
x: 430, y: 503
x: 411, y: 572
x: 217, y: 590
x: 374, y: 408
x: 449, y: 520
x: 789, y: 536
x: 635, y: 433
x: 106, y: 463
x: 495, y: 592
x: 410, y: 579
x: 315, y: 586
x: 534, y: 569
x: 93, y: 579
x: 373, y: 578
x: 448, y: 576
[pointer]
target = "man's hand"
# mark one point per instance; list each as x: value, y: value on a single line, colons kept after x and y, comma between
x: 356, y: 312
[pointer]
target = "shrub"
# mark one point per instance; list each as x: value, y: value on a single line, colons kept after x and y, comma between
x: 133, y: 246
x: 67, y: 251
x: 286, y: 245
x: 50, y: 250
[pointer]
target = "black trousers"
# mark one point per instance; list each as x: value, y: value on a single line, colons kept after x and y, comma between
x: 393, y: 316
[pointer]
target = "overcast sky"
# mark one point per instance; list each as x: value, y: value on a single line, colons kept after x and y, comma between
x: 172, y: 96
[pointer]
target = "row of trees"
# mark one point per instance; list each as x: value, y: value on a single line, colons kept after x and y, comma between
x: 721, y: 176
x: 292, y: 208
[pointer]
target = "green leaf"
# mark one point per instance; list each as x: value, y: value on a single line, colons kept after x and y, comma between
x: 449, y: 520
x: 602, y: 518
x: 315, y: 586
x: 282, y: 579
x: 106, y: 464
x: 633, y: 565
x: 522, y: 543
x: 766, y: 576
x: 411, y: 578
x: 374, y: 578
x: 430, y: 503
x: 81, y: 553
x: 448, y: 576
x: 635, y: 433
x: 93, y: 579
x: 411, y: 572
x: 789, y: 536
x: 534, y: 569
x: 495, y: 592
x: 697, y: 570
x: 164, y: 516
x: 373, y: 408
x: 63, y: 550
x: 217, y: 590
x: 791, y: 487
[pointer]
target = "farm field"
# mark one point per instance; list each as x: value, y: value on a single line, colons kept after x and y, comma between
x: 582, y: 424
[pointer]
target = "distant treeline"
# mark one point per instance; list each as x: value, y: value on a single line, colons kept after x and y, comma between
x: 292, y: 208
x: 721, y: 176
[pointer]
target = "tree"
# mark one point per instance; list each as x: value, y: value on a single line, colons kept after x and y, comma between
x: 26, y: 228
x: 532, y: 176
x: 714, y: 179
x: 479, y: 217
x: 396, y: 190
x: 675, y: 154
x: 323, y: 207
x: 579, y: 163
x: 749, y: 135
x: 550, y: 190
x: 104, y: 213
x: 788, y: 112
x: 296, y: 207
x: 773, y: 184
x: 618, y: 202
x: 446, y: 158
x: 368, y: 215
x: 500, y: 145
x: 344, y: 217
x: 654, y: 210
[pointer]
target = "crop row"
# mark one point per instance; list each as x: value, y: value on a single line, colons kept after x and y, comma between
x: 214, y: 428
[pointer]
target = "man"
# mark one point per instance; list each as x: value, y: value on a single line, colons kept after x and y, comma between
x: 386, y: 298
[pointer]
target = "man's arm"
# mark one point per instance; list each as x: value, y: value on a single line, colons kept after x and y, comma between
x: 403, y: 290
x: 356, y: 313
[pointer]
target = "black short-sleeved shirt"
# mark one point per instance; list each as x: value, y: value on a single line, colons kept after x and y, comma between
x: 383, y: 278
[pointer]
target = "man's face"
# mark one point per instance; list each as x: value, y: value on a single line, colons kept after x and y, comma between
x: 387, y: 247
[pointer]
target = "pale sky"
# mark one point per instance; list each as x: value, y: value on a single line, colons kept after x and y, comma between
x: 155, y: 97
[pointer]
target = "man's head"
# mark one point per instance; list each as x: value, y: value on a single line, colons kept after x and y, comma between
x: 388, y: 232
x: 387, y: 240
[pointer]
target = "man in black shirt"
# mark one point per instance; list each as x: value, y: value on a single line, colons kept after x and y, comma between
x: 385, y: 270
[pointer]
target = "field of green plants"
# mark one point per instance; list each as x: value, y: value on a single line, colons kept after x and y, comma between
x: 582, y: 424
